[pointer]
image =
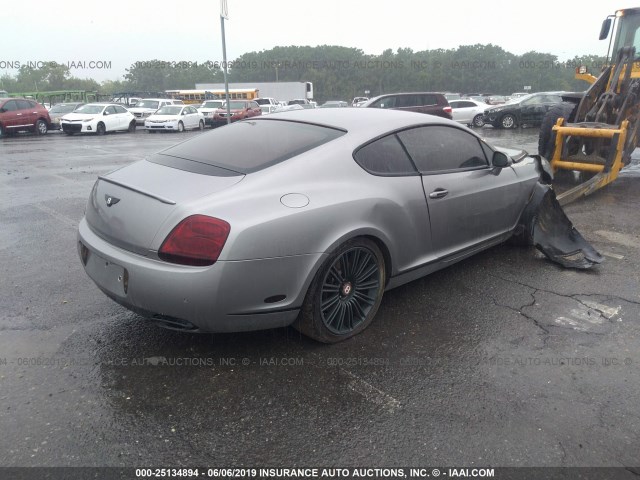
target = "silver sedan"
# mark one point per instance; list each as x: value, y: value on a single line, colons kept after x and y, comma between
x: 302, y: 217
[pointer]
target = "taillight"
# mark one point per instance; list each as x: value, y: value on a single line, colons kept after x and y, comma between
x: 197, y: 241
x: 447, y: 109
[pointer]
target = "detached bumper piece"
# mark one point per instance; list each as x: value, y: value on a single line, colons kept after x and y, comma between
x: 544, y: 224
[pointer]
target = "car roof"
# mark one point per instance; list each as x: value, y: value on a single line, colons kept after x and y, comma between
x: 367, y: 123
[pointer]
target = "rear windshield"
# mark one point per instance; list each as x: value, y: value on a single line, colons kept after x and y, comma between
x: 247, y: 146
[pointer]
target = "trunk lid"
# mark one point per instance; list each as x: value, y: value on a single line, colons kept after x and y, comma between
x: 127, y: 207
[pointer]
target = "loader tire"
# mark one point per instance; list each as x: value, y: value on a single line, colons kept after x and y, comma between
x: 547, y: 137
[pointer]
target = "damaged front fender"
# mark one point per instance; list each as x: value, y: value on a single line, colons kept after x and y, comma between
x: 544, y: 224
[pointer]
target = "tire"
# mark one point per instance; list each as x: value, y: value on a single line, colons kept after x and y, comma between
x: 101, y: 129
x: 180, y: 127
x: 547, y: 137
x: 345, y: 294
x: 132, y: 127
x: 40, y: 127
x: 478, y: 122
x: 508, y: 121
x: 201, y: 125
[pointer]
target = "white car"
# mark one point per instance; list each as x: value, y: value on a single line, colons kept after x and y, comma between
x: 176, y: 118
x: 208, y: 109
x: 268, y: 108
x: 98, y: 118
x: 148, y: 106
x: 468, y: 111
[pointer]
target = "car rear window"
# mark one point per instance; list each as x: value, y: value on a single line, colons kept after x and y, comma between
x: 247, y: 146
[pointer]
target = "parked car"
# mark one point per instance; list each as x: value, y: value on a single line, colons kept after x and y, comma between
x: 98, y: 118
x: 19, y: 114
x: 175, y: 118
x: 451, y: 96
x: 468, y: 112
x: 357, y: 101
x: 420, y: 102
x: 529, y: 110
x: 59, y: 110
x: 240, y: 109
x: 147, y: 106
x: 266, y: 101
x: 268, y: 108
x: 496, y: 100
x: 334, y: 104
x: 298, y: 101
x: 301, y: 217
x: 208, y: 109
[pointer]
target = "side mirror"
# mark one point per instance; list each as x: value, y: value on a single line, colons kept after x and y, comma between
x: 500, y: 160
x: 105, y: 113
x: 604, y: 31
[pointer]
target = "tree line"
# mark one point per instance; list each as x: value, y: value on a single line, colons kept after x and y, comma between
x: 338, y: 73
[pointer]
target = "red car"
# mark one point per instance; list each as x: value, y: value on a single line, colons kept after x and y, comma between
x: 421, y: 102
x: 240, y: 109
x: 18, y: 114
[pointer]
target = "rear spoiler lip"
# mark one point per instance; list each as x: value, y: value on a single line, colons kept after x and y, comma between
x: 137, y: 190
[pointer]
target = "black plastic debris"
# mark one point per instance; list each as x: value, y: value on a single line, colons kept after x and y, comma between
x: 544, y: 224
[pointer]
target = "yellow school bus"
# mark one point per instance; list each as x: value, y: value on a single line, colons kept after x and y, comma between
x: 199, y: 96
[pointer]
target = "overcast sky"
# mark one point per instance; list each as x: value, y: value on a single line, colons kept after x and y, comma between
x: 121, y: 32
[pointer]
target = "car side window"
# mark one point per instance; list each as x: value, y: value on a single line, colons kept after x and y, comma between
x: 386, y: 102
x: 427, y: 99
x: 385, y: 157
x: 119, y: 109
x: 23, y: 104
x: 10, y: 106
x: 408, y: 101
x: 438, y: 148
x: 110, y: 110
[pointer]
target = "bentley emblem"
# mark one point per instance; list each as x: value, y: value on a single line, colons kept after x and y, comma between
x: 111, y: 200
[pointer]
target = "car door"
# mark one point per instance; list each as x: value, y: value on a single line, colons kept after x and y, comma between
x: 124, y: 117
x: 547, y: 102
x: 27, y: 112
x: 462, y: 110
x: 11, y: 116
x: 110, y: 119
x: 532, y: 110
x: 469, y: 201
x: 192, y: 117
x: 256, y: 108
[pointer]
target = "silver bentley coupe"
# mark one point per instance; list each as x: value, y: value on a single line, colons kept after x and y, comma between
x: 307, y: 217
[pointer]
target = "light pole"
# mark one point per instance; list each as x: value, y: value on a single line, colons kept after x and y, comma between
x: 224, y: 14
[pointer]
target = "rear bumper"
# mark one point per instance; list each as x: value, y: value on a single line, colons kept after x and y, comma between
x: 229, y: 296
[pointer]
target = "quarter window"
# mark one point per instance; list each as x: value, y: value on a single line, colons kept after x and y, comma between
x: 439, y: 148
x: 385, y: 157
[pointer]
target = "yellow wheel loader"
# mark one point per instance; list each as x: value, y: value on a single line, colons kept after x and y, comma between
x: 597, y: 133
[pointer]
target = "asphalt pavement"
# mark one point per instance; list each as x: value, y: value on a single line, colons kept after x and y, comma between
x: 504, y: 359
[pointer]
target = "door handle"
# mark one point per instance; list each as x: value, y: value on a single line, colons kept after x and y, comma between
x: 439, y: 193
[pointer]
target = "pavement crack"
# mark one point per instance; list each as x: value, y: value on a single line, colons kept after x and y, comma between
x: 563, y: 460
x: 567, y: 295
x: 520, y: 312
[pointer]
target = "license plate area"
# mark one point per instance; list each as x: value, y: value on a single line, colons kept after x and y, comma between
x: 108, y: 275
